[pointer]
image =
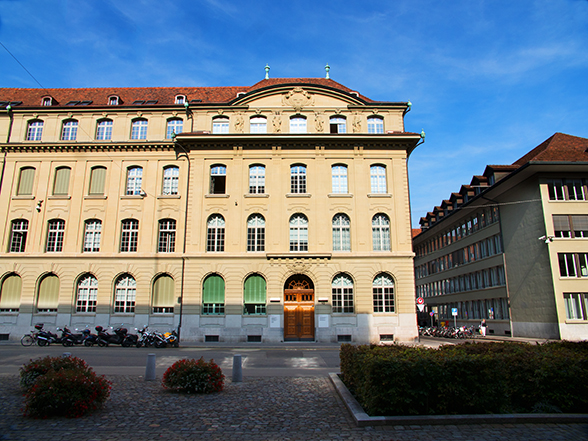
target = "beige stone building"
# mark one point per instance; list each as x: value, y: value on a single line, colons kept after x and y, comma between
x: 276, y: 212
x: 512, y: 247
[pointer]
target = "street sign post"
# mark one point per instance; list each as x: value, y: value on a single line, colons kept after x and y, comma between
x: 454, y: 314
x: 420, y: 303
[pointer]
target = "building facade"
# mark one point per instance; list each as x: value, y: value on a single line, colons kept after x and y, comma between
x: 512, y: 247
x: 276, y: 212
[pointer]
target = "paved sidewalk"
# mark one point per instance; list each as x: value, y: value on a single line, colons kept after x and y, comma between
x: 268, y: 408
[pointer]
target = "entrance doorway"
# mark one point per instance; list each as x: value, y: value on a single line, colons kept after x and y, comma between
x: 299, y: 309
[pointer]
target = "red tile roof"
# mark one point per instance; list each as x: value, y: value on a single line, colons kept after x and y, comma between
x: 416, y: 232
x: 560, y: 147
x: 163, y: 95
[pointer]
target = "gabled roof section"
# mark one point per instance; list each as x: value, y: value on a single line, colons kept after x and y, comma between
x: 559, y: 148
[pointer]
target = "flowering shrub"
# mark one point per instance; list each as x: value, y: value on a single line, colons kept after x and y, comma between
x: 65, y: 386
x: 194, y: 376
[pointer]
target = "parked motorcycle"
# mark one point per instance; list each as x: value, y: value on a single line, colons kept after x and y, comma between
x: 172, y: 339
x: 89, y: 338
x: 146, y: 338
x: 117, y: 338
x: 68, y: 338
x: 45, y: 338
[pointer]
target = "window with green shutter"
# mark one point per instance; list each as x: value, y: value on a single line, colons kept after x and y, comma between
x: 10, y: 294
x: 61, y: 184
x: 254, y: 295
x: 48, y: 298
x: 213, y: 295
x: 97, y: 180
x: 25, y: 181
x: 163, y: 295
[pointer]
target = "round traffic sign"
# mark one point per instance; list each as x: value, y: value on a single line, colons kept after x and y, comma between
x: 420, y: 300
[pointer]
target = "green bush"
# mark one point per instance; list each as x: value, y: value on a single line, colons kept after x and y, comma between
x: 194, y: 376
x: 62, y: 386
x: 468, y: 378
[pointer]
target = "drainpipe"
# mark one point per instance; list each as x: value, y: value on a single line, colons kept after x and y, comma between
x: 187, y: 155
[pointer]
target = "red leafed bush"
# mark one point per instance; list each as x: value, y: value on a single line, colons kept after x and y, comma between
x: 194, y: 377
x: 62, y: 386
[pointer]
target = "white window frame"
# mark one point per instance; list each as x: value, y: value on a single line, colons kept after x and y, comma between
x: 338, y: 124
x: 381, y: 232
x: 215, y: 234
x: 257, y: 179
x: 375, y: 124
x: 166, y: 242
x: 256, y: 233
x: 220, y: 125
x: 298, y: 179
x: 129, y: 238
x: 134, y: 180
x: 171, y: 179
x: 55, y: 235
x: 92, y: 235
x: 383, y: 293
x: 104, y: 130
x: 174, y: 126
x: 87, y: 294
x: 125, y: 295
x: 258, y: 124
x: 378, y: 179
x: 69, y: 131
x: 297, y: 124
x: 18, y: 235
x: 341, y: 232
x: 35, y: 130
x: 139, y: 129
x: 298, y: 232
x: 342, y: 294
x: 339, y: 179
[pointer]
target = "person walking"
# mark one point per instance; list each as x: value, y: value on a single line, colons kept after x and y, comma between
x: 483, y: 328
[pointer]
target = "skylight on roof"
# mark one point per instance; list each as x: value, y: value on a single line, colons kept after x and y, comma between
x: 138, y: 102
x: 151, y: 102
x: 72, y: 103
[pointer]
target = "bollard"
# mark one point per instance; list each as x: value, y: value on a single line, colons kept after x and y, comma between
x: 150, y: 368
x: 66, y: 354
x: 237, y: 369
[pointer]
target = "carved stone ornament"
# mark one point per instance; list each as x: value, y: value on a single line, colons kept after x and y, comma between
x: 139, y: 114
x: 298, y: 98
x: 298, y: 266
x: 318, y: 122
x: 239, y: 124
x: 277, y: 123
x: 104, y: 114
x: 69, y: 114
x: 356, y: 124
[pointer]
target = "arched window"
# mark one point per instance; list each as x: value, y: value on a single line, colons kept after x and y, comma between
x: 92, y: 235
x: 97, y: 181
x: 254, y: 295
x: 26, y: 180
x: 125, y: 294
x: 61, y: 182
x: 171, y: 177
x: 378, y: 179
x: 256, y: 233
x: 257, y: 179
x: 69, y: 131
x: 298, y: 233
x: 339, y: 178
x: 220, y: 125
x: 10, y: 293
x: 163, y: 295
x: 298, y: 124
x: 18, y: 235
x: 258, y: 124
x: 167, y: 236
x: 381, y: 232
x: 55, y: 233
x: 87, y: 294
x: 342, y: 290
x: 139, y: 129
x: 35, y: 130
x: 129, y: 235
x: 104, y: 130
x: 298, y: 179
x: 338, y: 124
x: 213, y: 295
x: 375, y: 124
x: 48, y: 295
x: 341, y: 233
x: 174, y: 125
x: 134, y: 180
x: 383, y: 291
x: 180, y: 99
x: 215, y: 233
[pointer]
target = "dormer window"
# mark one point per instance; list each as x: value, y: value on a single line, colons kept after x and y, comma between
x: 180, y: 99
x: 47, y: 101
x: 113, y: 101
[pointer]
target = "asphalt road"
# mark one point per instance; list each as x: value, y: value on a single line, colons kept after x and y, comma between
x: 256, y: 361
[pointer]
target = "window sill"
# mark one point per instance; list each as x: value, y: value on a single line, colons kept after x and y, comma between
x: 123, y: 314
x: 340, y: 195
x: 24, y: 197
x: 217, y: 196
x: 256, y: 195
x: 168, y: 196
x: 95, y: 196
x: 85, y: 314
x: 379, y: 195
x: 131, y: 196
x: 576, y: 322
x: 57, y: 197
x: 298, y: 195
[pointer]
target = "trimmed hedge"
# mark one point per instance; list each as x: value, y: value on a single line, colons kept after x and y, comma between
x: 470, y: 378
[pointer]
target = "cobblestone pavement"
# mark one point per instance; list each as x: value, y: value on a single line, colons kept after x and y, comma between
x: 268, y: 408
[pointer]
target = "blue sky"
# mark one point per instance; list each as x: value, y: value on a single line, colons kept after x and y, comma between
x: 489, y: 80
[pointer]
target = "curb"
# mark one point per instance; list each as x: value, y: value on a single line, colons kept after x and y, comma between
x: 362, y: 419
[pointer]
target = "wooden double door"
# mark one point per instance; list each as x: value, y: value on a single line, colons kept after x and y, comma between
x: 299, y: 314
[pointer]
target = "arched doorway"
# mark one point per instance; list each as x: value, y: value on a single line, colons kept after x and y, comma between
x: 298, y: 309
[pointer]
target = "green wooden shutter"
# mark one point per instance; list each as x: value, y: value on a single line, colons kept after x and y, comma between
x: 10, y: 294
x: 97, y: 180
x: 214, y: 290
x: 61, y: 184
x: 26, y: 180
x: 163, y: 292
x: 48, y: 293
x: 254, y: 291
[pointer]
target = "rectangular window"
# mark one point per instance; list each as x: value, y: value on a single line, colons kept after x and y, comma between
x: 61, y: 184
x: 97, y: 180
x: 55, y: 233
x: 167, y: 236
x: 220, y: 125
x: 35, y: 131
x: 218, y: 179
x: 576, y: 306
x: 139, y: 129
x: 92, y: 236
x: 129, y: 236
x: 298, y: 179
x: 575, y: 190
x: 171, y: 176
x: 342, y: 300
x: 378, y: 179
x: 567, y: 226
x: 134, y: 180
x: 174, y: 126
x: 104, y: 130
x: 26, y: 180
x: 18, y: 237
x: 257, y: 179
x: 580, y: 225
x: 567, y: 265
x: 69, y: 131
x: 339, y: 179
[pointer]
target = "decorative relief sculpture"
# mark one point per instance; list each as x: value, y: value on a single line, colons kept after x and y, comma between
x: 318, y: 122
x: 356, y: 124
x: 277, y: 122
x: 239, y: 124
x: 298, y: 98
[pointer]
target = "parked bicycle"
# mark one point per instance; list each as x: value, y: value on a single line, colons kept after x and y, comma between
x: 30, y: 339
